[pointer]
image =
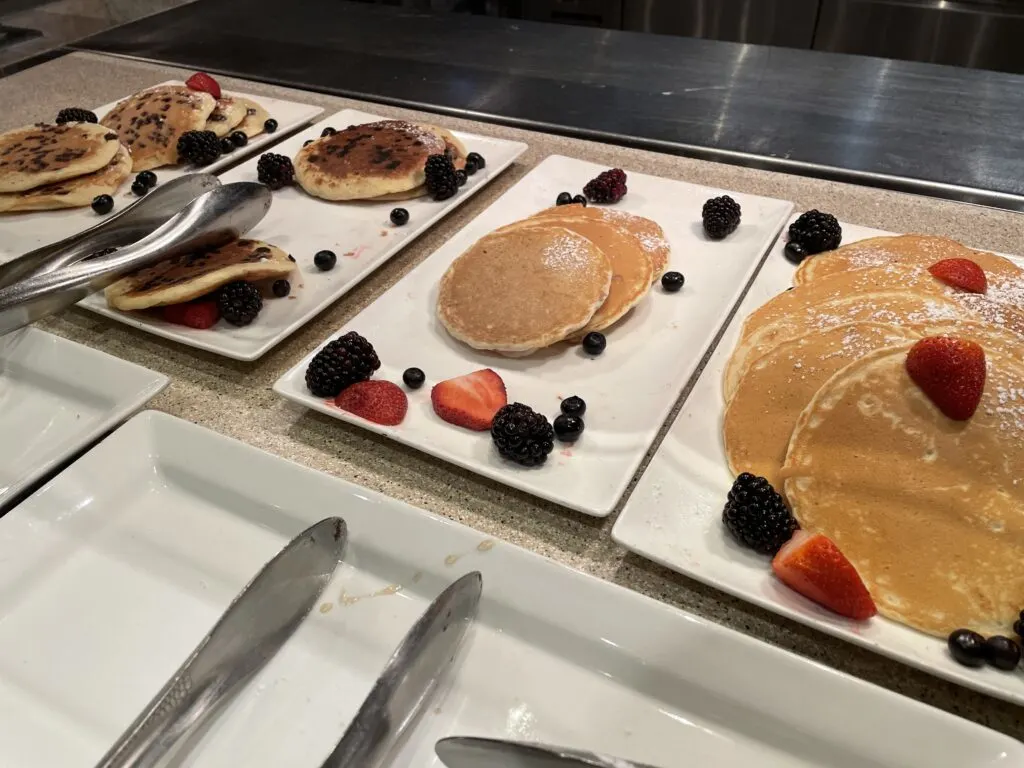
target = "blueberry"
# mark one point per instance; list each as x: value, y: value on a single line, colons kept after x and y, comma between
x: 568, y: 428
x: 399, y: 217
x: 227, y: 146
x: 307, y: 142
x: 471, y: 166
x: 672, y: 281
x: 794, y: 252
x: 239, y: 139
x: 478, y: 159
x: 967, y: 647
x: 147, y: 177
x: 564, y: 198
x: 328, y: 131
x: 461, y: 178
x: 1002, y: 653
x: 580, y: 200
x: 270, y: 125
x: 138, y: 188
x: 103, y: 204
x: 413, y: 378
x: 594, y: 343
x: 325, y: 260
x: 574, y: 406
x: 281, y: 288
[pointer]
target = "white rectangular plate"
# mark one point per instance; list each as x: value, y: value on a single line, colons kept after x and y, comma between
x: 674, y: 515
x: 109, y: 578
x: 629, y: 390
x: 23, y: 232
x: 359, y: 233
x: 56, y: 397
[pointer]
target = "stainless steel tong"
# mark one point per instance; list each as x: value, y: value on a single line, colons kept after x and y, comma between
x: 57, y: 279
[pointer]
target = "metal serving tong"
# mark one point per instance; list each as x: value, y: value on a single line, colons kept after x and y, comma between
x: 254, y: 627
x: 216, y: 217
x: 469, y: 752
x: 415, y: 670
x: 115, y: 231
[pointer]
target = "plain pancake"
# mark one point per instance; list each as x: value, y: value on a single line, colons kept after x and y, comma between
x: 631, y: 267
x: 151, y: 122
x: 72, y: 193
x: 520, y: 290
x: 774, y: 391
x: 911, y: 250
x: 255, y: 117
x: 41, y: 154
x: 930, y: 511
x: 648, y: 232
x: 367, y: 161
x: 227, y: 115
x: 187, y: 277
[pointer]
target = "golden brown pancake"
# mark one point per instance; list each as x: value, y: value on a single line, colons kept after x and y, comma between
x: 226, y: 116
x: 184, y: 278
x: 519, y: 290
x: 911, y: 250
x: 72, y: 193
x: 44, y: 154
x: 151, y: 122
x: 255, y: 117
x: 930, y: 511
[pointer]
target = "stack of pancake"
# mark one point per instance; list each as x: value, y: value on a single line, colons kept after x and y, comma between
x: 377, y: 161
x: 150, y: 122
x: 43, y: 166
x: 555, y: 276
x: 929, y: 510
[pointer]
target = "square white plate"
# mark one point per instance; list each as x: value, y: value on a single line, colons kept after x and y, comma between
x: 674, y: 515
x: 56, y: 397
x: 23, y: 232
x: 629, y: 390
x: 109, y: 578
x: 360, y: 234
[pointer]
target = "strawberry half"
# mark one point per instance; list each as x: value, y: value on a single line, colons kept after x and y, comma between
x: 960, y: 273
x: 194, y: 314
x: 470, y: 401
x: 951, y: 371
x: 201, y: 81
x: 378, y: 401
x: 811, y: 564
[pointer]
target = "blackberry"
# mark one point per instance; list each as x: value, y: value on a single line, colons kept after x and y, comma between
x: 721, y: 216
x: 103, y: 204
x: 343, y: 362
x: 276, y: 171
x: 815, y: 232
x: 199, y: 147
x: 522, y: 435
x: 239, y: 138
x: 757, y: 516
x: 441, y: 180
x: 281, y: 288
x: 239, y: 302
x: 75, y: 115
x: 608, y: 187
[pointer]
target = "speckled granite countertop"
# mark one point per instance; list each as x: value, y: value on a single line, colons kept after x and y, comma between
x: 235, y: 398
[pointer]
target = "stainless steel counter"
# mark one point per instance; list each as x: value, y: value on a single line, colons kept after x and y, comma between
x: 914, y: 127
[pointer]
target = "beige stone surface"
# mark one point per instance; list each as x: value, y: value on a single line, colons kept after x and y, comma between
x: 235, y: 398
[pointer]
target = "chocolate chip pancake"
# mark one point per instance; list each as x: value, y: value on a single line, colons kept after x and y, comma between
x: 187, y: 277
x: 930, y: 511
x: 72, y: 193
x: 44, y: 154
x: 151, y: 122
x: 226, y: 116
x: 519, y: 290
x: 367, y: 161
x: 455, y: 149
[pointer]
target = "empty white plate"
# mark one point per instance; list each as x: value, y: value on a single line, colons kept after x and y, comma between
x: 56, y: 397
x: 111, y: 573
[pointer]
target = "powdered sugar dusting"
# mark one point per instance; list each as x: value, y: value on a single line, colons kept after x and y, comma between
x: 566, y: 253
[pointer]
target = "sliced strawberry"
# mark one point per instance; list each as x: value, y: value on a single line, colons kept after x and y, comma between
x: 960, y: 273
x: 194, y: 314
x: 470, y: 401
x: 951, y: 371
x: 378, y: 401
x: 812, y: 565
x: 201, y: 81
